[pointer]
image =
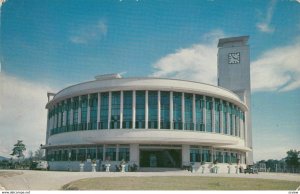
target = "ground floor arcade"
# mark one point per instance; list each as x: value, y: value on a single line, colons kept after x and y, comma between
x: 143, y: 155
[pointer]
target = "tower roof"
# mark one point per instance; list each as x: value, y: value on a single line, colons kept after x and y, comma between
x: 243, y: 39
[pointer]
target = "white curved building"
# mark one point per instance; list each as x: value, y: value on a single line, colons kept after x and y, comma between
x: 152, y: 122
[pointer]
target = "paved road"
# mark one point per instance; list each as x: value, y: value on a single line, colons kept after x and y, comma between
x: 53, y: 180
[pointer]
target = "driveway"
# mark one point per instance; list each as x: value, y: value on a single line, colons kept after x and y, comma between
x: 54, y: 180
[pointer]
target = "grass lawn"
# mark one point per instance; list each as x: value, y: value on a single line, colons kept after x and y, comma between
x: 179, y: 183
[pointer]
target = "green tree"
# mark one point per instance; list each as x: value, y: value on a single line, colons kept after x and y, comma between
x: 18, y: 149
x: 39, y: 154
x: 292, y: 159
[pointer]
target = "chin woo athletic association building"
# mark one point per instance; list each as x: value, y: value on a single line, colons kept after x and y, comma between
x: 155, y: 122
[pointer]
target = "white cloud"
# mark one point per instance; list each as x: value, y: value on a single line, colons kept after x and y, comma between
x: 277, y: 69
x: 264, y: 25
x: 22, y: 113
x: 91, y: 32
x: 197, y: 62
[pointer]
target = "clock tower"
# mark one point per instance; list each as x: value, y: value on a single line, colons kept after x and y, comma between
x: 234, y: 74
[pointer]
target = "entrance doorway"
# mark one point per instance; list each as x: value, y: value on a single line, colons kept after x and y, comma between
x: 165, y: 158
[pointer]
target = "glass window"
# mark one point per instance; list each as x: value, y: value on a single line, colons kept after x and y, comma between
x: 73, y: 155
x: 195, y: 155
x: 218, y: 156
x: 110, y: 153
x: 61, y: 115
x: 127, y: 109
x: 75, y: 113
x: 81, y: 154
x: 188, y: 111
x: 55, y: 155
x: 83, y: 106
x: 237, y: 122
x: 242, y: 127
x: 209, y: 114
x: 206, y: 155
x: 103, y: 124
x: 100, y: 153
x: 218, y: 109
x: 152, y: 109
x: 124, y: 153
x: 115, y: 110
x: 59, y: 157
x: 231, y: 119
x: 140, y: 110
x: 65, y: 155
x: 227, y: 157
x: 57, y: 115
x: 165, y: 110
x: 68, y: 114
x: 225, y: 129
x: 233, y: 157
x: 177, y: 110
x: 91, y: 153
x: 93, y: 103
x: 199, y: 104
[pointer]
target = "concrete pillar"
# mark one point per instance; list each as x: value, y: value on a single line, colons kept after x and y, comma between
x: 185, y: 154
x: 88, y: 109
x: 134, y: 154
x: 146, y: 109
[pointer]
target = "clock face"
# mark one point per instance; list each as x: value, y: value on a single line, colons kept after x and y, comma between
x: 233, y: 58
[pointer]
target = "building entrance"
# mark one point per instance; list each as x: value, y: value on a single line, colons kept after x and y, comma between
x: 166, y: 158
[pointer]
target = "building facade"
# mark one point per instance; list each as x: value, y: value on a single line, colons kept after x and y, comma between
x: 151, y: 122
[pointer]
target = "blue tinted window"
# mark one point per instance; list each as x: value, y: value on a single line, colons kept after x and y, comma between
x: 127, y: 109
x: 100, y: 153
x: 209, y: 107
x: 110, y: 154
x: 115, y: 110
x: 206, y: 155
x: 68, y: 112
x: 177, y: 110
x: 188, y: 111
x: 124, y: 154
x: 218, y: 108
x: 195, y: 155
x: 103, y: 124
x: 225, y: 109
x: 165, y: 110
x: 140, y: 110
x: 83, y: 106
x: 231, y: 119
x: 199, y: 104
x: 153, y: 109
x: 93, y: 102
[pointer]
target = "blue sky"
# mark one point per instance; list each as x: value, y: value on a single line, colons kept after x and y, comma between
x: 47, y: 45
